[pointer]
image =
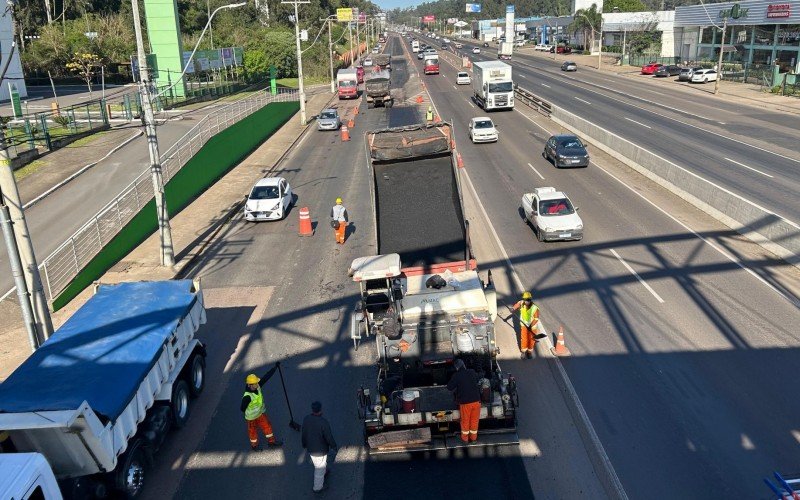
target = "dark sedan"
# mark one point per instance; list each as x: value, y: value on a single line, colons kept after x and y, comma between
x: 566, y: 151
x: 670, y: 70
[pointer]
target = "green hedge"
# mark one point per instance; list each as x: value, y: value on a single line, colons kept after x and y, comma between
x: 221, y: 153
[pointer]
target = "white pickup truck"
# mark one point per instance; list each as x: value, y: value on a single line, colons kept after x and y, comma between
x: 552, y: 215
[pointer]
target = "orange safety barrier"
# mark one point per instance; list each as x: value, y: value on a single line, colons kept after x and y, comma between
x: 345, y: 133
x: 419, y: 99
x: 459, y: 160
x: 561, y: 348
x: 351, y: 123
x: 305, y: 223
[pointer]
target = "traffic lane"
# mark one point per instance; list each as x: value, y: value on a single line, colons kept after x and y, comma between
x: 637, y: 312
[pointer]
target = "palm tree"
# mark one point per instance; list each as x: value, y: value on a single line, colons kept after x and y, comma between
x: 587, y: 21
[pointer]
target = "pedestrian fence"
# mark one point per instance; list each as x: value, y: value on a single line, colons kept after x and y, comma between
x: 64, y: 264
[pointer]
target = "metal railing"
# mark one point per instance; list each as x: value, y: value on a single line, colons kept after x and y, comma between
x: 532, y: 100
x: 64, y: 264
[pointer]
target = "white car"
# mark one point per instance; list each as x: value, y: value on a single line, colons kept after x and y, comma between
x: 269, y: 199
x: 704, y: 76
x: 463, y: 78
x: 552, y: 215
x: 543, y: 47
x: 476, y: 50
x: 459, y: 46
x: 482, y: 129
x: 519, y: 43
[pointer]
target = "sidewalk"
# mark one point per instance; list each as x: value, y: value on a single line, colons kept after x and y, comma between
x: 192, y: 229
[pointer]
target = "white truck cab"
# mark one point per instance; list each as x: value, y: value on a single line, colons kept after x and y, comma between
x: 26, y: 476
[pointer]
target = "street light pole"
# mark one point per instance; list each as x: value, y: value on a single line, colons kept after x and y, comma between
x: 164, y: 229
x: 299, y: 57
x: 330, y: 55
x: 719, y: 62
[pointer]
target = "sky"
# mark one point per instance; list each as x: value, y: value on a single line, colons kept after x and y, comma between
x: 393, y: 4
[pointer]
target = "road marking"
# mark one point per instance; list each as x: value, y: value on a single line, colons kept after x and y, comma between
x: 587, y: 102
x: 544, y: 85
x: 537, y: 172
x: 751, y: 168
x: 454, y: 87
x: 523, y: 76
x: 470, y: 103
x: 633, y: 272
x: 638, y: 123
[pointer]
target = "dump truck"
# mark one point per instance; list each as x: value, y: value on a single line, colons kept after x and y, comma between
x: 424, y: 303
x: 99, y: 397
x: 377, y: 91
x: 383, y: 61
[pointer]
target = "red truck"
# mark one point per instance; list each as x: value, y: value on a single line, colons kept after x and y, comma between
x: 431, y: 64
x: 347, y: 81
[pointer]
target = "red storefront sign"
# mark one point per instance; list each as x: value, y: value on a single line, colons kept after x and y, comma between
x: 428, y: 19
x: 778, y: 10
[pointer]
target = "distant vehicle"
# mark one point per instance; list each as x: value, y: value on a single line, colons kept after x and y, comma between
x: 566, y: 151
x: 360, y: 74
x: 463, y: 78
x: 561, y: 49
x: 519, y: 43
x: 543, y: 47
x: 415, y: 46
x: 569, y: 66
x: 328, y: 119
x: 445, y: 46
x: 492, y: 85
x: 476, y: 50
x: 482, y: 129
x: 552, y: 215
x: 650, y: 68
x: 347, y: 82
x: 420, y: 55
x: 367, y: 62
x: 686, y: 73
x: 269, y: 199
x: 459, y: 45
x: 704, y: 76
x: 485, y: 44
x: 670, y: 70
x: 505, y: 50
x: 375, y: 50
x: 431, y: 65
x: 377, y: 90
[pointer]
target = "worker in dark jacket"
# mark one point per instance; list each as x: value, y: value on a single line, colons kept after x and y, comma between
x: 255, y: 413
x: 318, y: 440
x: 464, y: 383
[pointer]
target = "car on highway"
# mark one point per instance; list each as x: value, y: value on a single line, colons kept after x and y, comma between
x: 704, y: 76
x: 552, y: 215
x: 669, y: 70
x: 420, y: 55
x: 367, y: 62
x: 482, y: 129
x: 485, y: 44
x: 328, y: 119
x: 686, y: 73
x: 519, y: 43
x: 375, y: 50
x: 542, y: 47
x: 569, y: 66
x: 476, y: 50
x: 360, y: 74
x: 650, y: 68
x: 566, y: 151
x: 269, y: 199
x: 463, y: 78
x: 459, y: 45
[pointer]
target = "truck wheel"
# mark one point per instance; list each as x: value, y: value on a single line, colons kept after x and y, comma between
x: 180, y: 403
x: 130, y: 472
x: 197, y: 374
x: 389, y: 104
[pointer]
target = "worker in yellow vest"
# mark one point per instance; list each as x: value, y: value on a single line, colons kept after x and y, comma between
x: 429, y: 114
x: 528, y: 323
x: 255, y: 413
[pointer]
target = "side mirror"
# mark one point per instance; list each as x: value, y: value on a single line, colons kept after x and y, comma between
x: 577, y: 208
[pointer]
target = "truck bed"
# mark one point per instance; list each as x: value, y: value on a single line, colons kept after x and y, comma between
x: 417, y: 204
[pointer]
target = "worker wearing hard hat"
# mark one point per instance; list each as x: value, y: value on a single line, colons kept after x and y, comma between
x: 339, y: 220
x: 255, y: 413
x: 429, y: 114
x: 528, y: 323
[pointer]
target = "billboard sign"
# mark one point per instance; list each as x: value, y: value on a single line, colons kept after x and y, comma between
x: 344, y: 14
x: 186, y: 58
x: 238, y: 55
x: 428, y: 19
x: 509, y: 9
x: 473, y: 8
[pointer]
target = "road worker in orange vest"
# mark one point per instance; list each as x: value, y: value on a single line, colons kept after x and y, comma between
x: 255, y: 413
x: 528, y: 323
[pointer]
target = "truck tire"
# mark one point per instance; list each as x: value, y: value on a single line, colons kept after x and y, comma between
x: 130, y: 473
x: 180, y: 403
x: 197, y: 372
x: 389, y: 103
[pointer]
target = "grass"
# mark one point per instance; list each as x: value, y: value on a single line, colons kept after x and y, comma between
x: 294, y: 82
x: 36, y: 165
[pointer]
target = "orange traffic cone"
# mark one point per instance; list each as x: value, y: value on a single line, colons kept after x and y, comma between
x: 459, y: 160
x: 436, y: 119
x: 561, y: 348
x: 419, y: 99
x: 345, y: 133
x: 355, y: 111
x: 305, y: 223
x: 351, y: 123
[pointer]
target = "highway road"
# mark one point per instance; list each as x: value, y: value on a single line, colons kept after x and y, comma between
x: 750, y: 151
x: 681, y: 339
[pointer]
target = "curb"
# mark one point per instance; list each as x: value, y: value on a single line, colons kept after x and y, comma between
x: 79, y: 172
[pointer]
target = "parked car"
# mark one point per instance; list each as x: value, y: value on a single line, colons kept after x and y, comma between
x: 519, y: 43
x: 485, y: 44
x: 543, y: 47
x: 566, y: 151
x: 561, y: 49
x: 552, y: 215
x: 476, y: 50
x: 463, y: 78
x: 482, y: 129
x: 328, y: 119
x: 650, y: 68
x: 269, y: 199
x: 704, y: 76
x: 670, y: 70
x: 569, y: 66
x: 686, y: 73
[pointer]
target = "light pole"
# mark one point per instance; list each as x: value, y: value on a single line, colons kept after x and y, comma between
x: 599, y: 38
x: 330, y: 52
x: 721, y: 50
x: 299, y: 56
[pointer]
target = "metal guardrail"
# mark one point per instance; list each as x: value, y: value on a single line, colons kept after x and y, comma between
x: 64, y: 264
x: 532, y: 100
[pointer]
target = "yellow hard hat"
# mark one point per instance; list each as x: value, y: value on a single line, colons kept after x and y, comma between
x: 526, y: 296
x: 339, y: 201
x: 252, y: 379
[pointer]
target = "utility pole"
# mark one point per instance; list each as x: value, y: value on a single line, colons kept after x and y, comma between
x: 299, y: 56
x: 164, y: 230
x: 210, y: 29
x: 350, y: 36
x: 330, y: 55
x: 721, y: 50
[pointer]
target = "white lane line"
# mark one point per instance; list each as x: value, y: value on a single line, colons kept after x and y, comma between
x: 637, y: 123
x: 470, y: 103
x: 537, y: 172
x: 587, y: 102
x: 523, y: 76
x: 454, y: 87
x: 544, y: 85
x: 751, y: 168
x: 633, y: 272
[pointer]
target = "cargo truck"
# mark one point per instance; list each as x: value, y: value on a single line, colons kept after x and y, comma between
x: 493, y: 85
x: 505, y: 50
x: 377, y: 90
x: 383, y: 61
x: 347, y: 83
x: 431, y: 64
x: 99, y: 397
x: 423, y: 302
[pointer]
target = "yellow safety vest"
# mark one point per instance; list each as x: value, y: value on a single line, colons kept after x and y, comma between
x: 256, y: 406
x: 526, y: 313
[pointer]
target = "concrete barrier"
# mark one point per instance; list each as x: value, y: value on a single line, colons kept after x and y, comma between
x: 757, y: 223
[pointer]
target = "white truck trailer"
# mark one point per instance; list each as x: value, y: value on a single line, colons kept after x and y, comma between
x: 505, y: 50
x: 99, y: 397
x: 493, y: 85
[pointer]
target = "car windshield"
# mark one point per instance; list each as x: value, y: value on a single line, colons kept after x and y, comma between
x: 264, y: 193
x: 571, y: 143
x: 463, y: 75
x: 501, y: 87
x: 327, y: 115
x: 556, y: 207
x: 484, y: 124
x: 347, y: 83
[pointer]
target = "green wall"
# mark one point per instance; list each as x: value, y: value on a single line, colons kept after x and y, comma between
x: 164, y: 35
x: 221, y: 153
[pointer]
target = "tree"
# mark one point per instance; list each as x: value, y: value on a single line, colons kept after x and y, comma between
x: 588, y: 21
x: 85, y: 65
x: 624, y: 6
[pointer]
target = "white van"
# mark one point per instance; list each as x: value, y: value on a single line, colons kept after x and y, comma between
x: 415, y: 46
